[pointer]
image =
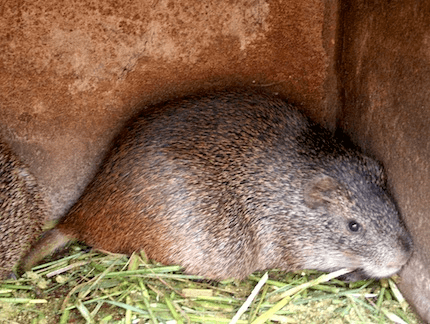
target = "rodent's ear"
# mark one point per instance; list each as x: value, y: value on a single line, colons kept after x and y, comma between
x: 321, y: 191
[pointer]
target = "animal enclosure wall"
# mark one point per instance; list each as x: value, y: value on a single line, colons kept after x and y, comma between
x: 73, y: 72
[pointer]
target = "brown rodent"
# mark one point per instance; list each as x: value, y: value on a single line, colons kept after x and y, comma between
x: 232, y: 182
x: 22, y: 210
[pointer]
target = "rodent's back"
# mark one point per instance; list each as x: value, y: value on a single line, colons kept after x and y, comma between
x: 232, y: 182
x: 192, y: 174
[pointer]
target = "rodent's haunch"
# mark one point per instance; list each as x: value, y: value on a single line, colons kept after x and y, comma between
x: 22, y: 210
x: 232, y: 182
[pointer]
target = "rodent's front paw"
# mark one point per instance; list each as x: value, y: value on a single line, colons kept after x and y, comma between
x: 355, y: 275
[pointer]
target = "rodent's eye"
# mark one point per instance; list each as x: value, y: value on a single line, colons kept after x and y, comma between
x: 354, y: 226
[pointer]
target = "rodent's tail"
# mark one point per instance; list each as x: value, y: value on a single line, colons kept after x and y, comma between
x: 48, y: 243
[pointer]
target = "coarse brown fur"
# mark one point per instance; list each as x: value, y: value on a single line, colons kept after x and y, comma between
x: 232, y: 182
x: 22, y: 210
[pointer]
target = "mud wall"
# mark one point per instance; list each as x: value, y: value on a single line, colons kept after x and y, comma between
x: 385, y: 75
x: 72, y: 72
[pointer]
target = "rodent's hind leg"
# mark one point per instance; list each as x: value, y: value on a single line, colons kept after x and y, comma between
x: 50, y: 241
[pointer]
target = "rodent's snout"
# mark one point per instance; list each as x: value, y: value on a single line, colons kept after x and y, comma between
x: 391, y: 260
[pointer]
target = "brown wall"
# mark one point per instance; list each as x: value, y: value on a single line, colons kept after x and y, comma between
x: 72, y: 72
x: 386, y: 109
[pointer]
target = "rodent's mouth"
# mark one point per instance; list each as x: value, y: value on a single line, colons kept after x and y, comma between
x: 361, y: 274
x: 378, y: 272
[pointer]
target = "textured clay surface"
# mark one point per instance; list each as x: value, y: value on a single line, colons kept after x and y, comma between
x: 72, y: 72
x: 386, y: 62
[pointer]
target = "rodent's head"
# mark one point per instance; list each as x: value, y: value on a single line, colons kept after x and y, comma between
x: 357, y: 224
